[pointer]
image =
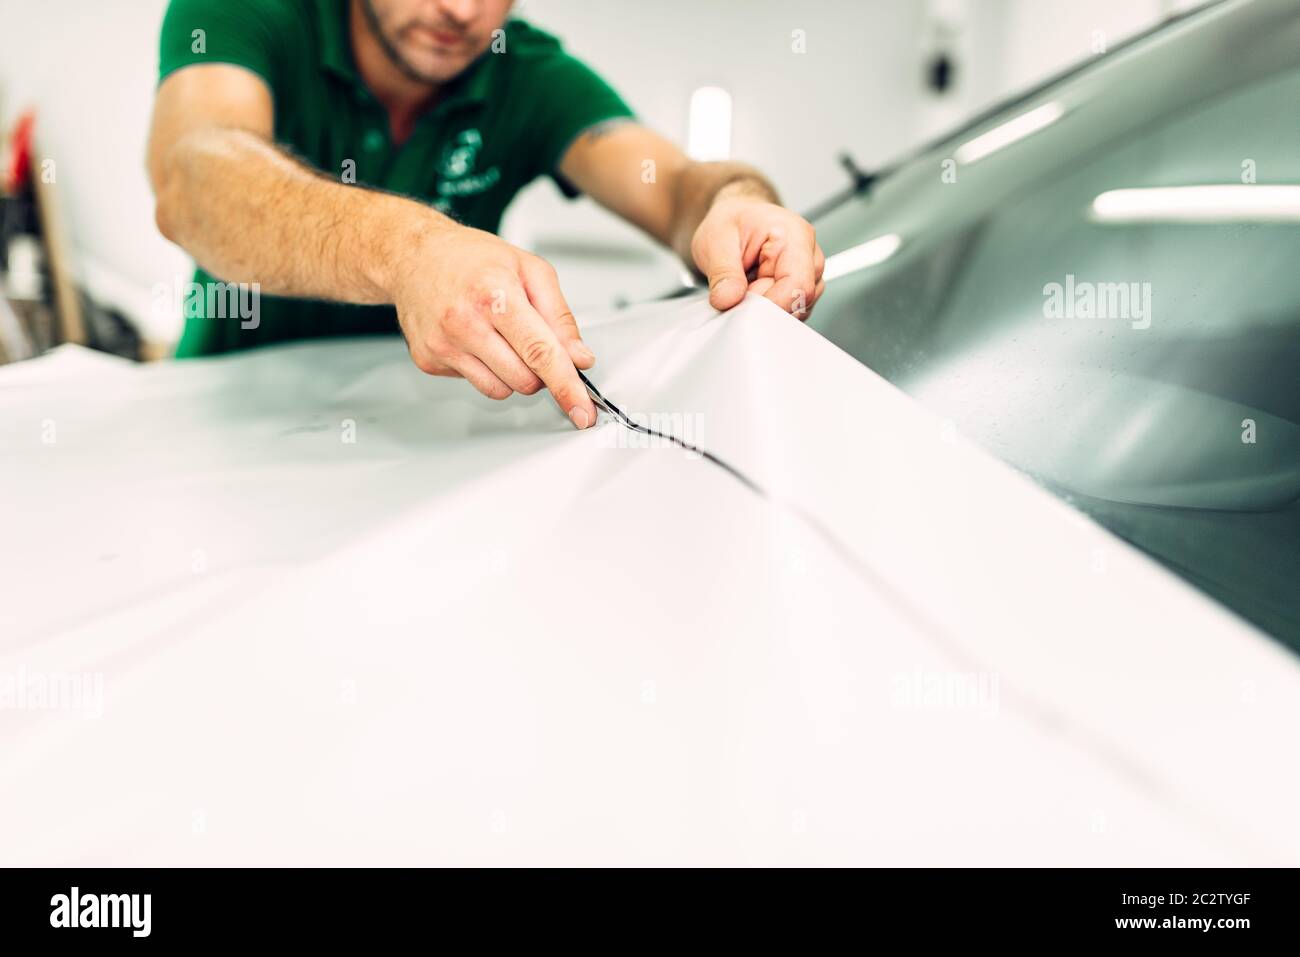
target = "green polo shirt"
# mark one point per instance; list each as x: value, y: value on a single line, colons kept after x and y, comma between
x: 503, y: 122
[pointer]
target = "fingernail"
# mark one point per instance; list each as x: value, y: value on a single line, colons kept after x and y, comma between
x: 585, y: 353
x: 578, y: 416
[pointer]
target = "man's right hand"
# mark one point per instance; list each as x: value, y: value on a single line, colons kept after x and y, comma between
x: 472, y: 305
x: 469, y: 303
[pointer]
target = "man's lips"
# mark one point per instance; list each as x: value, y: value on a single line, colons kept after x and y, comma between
x: 429, y: 36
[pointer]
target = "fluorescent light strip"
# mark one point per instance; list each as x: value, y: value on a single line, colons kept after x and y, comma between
x: 709, y: 125
x: 871, y: 253
x: 1026, y: 124
x: 1227, y: 203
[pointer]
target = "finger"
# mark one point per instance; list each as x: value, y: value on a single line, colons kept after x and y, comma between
x: 817, y: 294
x: 719, y: 258
x: 819, y: 263
x: 759, y: 287
x: 430, y: 364
x: 768, y: 254
x: 480, y: 377
x: 795, y: 276
x: 543, y: 288
x: 495, y: 353
x: 534, y: 342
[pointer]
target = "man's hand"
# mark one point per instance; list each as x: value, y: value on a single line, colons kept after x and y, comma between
x: 722, y: 218
x: 746, y: 244
x: 469, y: 303
x: 472, y: 305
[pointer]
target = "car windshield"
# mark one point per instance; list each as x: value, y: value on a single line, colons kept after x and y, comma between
x: 1102, y: 287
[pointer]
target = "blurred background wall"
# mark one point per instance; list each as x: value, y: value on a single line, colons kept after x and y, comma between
x: 863, y: 85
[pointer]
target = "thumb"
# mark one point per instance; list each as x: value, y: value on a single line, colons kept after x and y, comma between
x: 719, y: 259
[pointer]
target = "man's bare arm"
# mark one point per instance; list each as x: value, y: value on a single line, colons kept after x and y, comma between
x: 469, y: 303
x: 246, y: 211
x: 723, y: 219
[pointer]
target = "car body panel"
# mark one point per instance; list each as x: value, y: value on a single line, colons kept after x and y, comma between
x: 1173, y: 419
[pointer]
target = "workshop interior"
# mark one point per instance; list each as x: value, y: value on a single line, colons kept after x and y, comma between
x: 725, y: 433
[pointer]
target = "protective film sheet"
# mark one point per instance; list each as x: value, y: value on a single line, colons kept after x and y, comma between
x: 306, y: 605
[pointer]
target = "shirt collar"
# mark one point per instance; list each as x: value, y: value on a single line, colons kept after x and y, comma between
x: 336, y: 49
x: 471, y: 86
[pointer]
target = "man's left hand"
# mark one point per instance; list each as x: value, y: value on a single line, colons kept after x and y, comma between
x: 746, y: 244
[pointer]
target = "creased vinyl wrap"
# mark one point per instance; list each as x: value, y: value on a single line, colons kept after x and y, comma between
x: 344, y: 613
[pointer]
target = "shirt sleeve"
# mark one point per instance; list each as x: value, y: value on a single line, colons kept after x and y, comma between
x: 571, y: 98
x: 247, y: 33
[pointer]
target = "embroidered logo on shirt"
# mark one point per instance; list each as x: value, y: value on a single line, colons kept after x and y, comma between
x: 456, y: 169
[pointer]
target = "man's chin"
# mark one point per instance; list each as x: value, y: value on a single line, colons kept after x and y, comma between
x: 437, y: 68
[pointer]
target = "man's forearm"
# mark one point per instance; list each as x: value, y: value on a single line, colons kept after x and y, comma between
x: 699, y: 186
x: 249, y: 213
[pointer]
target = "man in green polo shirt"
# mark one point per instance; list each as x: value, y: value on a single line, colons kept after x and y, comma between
x: 353, y: 159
